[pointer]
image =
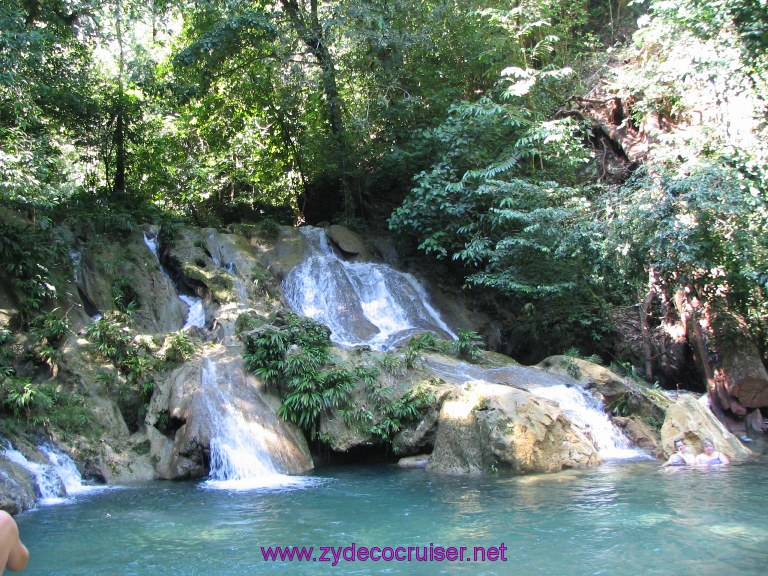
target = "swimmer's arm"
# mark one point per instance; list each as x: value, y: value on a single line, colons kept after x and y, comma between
x: 18, y: 557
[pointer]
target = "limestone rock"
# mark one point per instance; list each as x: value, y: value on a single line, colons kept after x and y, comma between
x: 104, y: 267
x: 227, y: 271
x: 641, y: 434
x: 484, y: 426
x: 17, y: 487
x: 184, y: 417
x: 116, y: 456
x: 348, y: 242
x: 287, y: 251
x: 414, y: 440
x: 692, y: 420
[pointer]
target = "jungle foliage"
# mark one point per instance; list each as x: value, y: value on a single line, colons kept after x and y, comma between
x: 292, y: 354
x: 455, y: 122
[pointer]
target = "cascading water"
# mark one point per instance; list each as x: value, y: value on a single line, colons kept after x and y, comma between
x: 196, y: 313
x: 373, y: 304
x: 361, y: 302
x: 583, y: 410
x: 67, y: 471
x: 586, y: 413
x: 239, y: 453
x: 57, y: 479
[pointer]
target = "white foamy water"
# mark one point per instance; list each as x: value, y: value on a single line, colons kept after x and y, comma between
x: 240, y: 458
x: 586, y: 413
x: 361, y: 302
x: 196, y: 313
x: 55, y: 480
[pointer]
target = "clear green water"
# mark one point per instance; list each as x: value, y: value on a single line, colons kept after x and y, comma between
x: 622, y: 518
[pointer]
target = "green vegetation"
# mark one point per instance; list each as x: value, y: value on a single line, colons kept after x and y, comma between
x: 563, y: 160
x: 29, y: 405
x: 134, y: 361
x: 178, y: 347
x: 292, y: 354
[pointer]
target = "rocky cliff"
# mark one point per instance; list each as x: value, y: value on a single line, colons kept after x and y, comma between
x: 128, y: 383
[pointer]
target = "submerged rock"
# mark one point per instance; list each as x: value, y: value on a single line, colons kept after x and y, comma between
x: 419, y: 461
x: 486, y: 426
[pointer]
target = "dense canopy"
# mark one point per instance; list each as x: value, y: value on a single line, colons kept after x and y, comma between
x: 590, y: 170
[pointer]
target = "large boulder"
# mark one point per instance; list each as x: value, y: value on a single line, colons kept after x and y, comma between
x: 17, y: 487
x: 349, y: 243
x: 486, y: 426
x: 691, y: 419
x: 287, y: 251
x: 107, y: 270
x: 201, y: 401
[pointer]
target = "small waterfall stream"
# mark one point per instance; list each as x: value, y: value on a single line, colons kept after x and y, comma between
x: 583, y: 410
x: 56, y: 480
x: 196, y: 313
x: 361, y: 302
x: 586, y: 413
x: 240, y: 456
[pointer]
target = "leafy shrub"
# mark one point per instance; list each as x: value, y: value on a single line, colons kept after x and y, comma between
x: 179, y: 347
x: 41, y: 405
x: 124, y: 295
x: 26, y: 255
x: 468, y: 345
x: 293, y: 354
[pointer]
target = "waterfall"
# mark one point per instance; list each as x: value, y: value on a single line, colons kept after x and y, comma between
x: 55, y: 480
x: 67, y: 471
x: 196, y: 313
x: 361, y: 302
x: 586, y: 413
x: 239, y: 445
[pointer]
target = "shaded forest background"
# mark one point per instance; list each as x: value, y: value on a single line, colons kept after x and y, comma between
x: 591, y: 172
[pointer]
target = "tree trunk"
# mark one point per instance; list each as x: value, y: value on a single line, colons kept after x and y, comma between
x: 741, y: 369
x: 119, y: 141
x: 310, y: 31
x: 734, y: 372
x: 612, y: 116
x: 120, y: 123
x: 646, y: 331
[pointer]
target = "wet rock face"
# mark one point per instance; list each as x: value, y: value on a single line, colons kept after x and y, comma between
x: 188, y: 399
x: 17, y: 487
x: 108, y: 270
x: 485, y: 426
x: 691, y: 419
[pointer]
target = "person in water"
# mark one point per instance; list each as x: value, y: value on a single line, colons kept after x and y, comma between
x: 680, y: 457
x: 13, y: 554
x: 710, y: 456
